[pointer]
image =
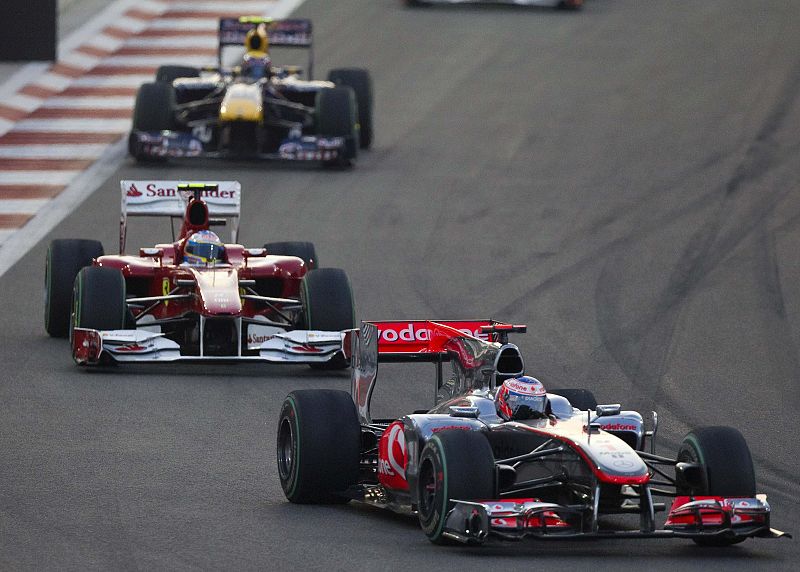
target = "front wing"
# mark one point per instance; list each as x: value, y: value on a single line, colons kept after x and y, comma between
x: 178, y: 144
x: 514, y: 519
x: 92, y: 347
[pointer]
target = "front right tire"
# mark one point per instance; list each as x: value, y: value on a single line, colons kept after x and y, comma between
x: 98, y: 300
x: 727, y: 465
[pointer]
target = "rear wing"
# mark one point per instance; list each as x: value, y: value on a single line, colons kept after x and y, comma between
x: 480, y: 349
x: 164, y: 198
x: 290, y: 33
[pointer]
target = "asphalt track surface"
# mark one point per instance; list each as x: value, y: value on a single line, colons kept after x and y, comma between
x: 623, y: 179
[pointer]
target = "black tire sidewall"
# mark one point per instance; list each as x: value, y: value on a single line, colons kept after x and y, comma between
x: 726, y: 460
x: 302, y: 250
x: 326, y: 447
x: 582, y: 399
x: 361, y: 82
x: 99, y: 299
x: 65, y: 258
x: 327, y: 300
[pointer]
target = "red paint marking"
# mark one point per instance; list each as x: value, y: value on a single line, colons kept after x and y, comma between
x: 138, y: 51
x: 45, y: 138
x: 94, y: 51
x: 44, y: 164
x: 99, y: 91
x: 38, y: 91
x: 121, y: 70
x: 29, y: 191
x: 117, y: 32
x: 14, y: 220
x: 141, y: 14
x: 12, y: 113
x: 67, y: 70
x: 61, y: 112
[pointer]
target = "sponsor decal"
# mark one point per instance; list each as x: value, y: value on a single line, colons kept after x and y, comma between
x: 153, y: 190
x: 619, y: 427
x: 306, y: 349
x: 447, y: 427
x: 129, y: 348
x: 415, y: 333
x: 133, y: 191
x: 392, y: 457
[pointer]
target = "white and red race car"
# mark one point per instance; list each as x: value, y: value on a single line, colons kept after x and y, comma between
x: 470, y: 474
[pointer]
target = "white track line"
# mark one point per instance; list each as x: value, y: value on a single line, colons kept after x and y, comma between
x: 133, y: 80
x: 202, y: 24
x: 54, y: 81
x: 37, y: 177
x: 65, y: 151
x: 236, y: 6
x: 74, y: 125
x: 157, y: 60
x: 21, y: 206
x: 197, y: 41
x: 93, y: 102
x: 24, y: 102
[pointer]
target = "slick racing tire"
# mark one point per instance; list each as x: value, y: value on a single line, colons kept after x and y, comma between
x: 168, y: 74
x: 303, y: 250
x: 727, y: 468
x: 336, y: 116
x: 319, y: 446
x: 65, y: 258
x: 361, y: 82
x: 454, y: 464
x: 582, y: 399
x: 327, y: 302
x: 98, y: 300
x: 153, y: 111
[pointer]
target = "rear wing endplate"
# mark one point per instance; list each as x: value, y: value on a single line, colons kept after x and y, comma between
x: 163, y: 198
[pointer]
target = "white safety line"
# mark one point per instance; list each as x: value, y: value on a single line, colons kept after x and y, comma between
x: 60, y: 151
x: 37, y: 177
x: 94, y: 102
x: 157, y: 60
x: 132, y: 80
x: 23, y: 102
x: 21, y: 206
x: 105, y: 42
x: 178, y: 24
x: 54, y: 81
x: 74, y: 125
x: 80, y: 60
x: 240, y: 7
x: 196, y: 41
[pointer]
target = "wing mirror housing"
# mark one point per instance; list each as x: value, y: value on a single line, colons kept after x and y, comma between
x: 609, y: 409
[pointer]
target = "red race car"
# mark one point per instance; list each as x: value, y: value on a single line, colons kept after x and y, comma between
x: 195, y: 298
x: 499, y: 456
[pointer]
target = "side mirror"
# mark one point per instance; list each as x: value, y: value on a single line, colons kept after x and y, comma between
x: 151, y: 252
x: 607, y: 410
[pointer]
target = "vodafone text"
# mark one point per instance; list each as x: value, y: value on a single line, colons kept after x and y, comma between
x: 410, y: 333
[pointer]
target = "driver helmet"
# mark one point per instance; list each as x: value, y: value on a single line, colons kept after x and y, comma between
x: 521, y: 398
x: 203, y: 248
x: 256, y: 65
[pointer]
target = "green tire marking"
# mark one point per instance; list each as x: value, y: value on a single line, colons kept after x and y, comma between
x: 445, y: 497
x: 291, y: 492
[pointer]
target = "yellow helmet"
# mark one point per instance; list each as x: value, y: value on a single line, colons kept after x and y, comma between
x: 256, y: 41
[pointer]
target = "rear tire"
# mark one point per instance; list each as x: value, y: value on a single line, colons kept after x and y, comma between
x: 727, y: 468
x: 65, y: 258
x: 303, y: 250
x: 361, y: 82
x: 454, y: 464
x: 319, y: 446
x: 98, y: 300
x: 168, y: 74
x: 153, y: 111
x: 582, y: 399
x: 336, y: 115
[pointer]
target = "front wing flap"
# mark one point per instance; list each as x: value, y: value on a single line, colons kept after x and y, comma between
x: 178, y: 144
x: 513, y: 519
x: 92, y: 347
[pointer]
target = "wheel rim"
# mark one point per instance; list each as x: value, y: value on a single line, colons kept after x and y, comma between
x: 286, y: 457
x: 427, y: 489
